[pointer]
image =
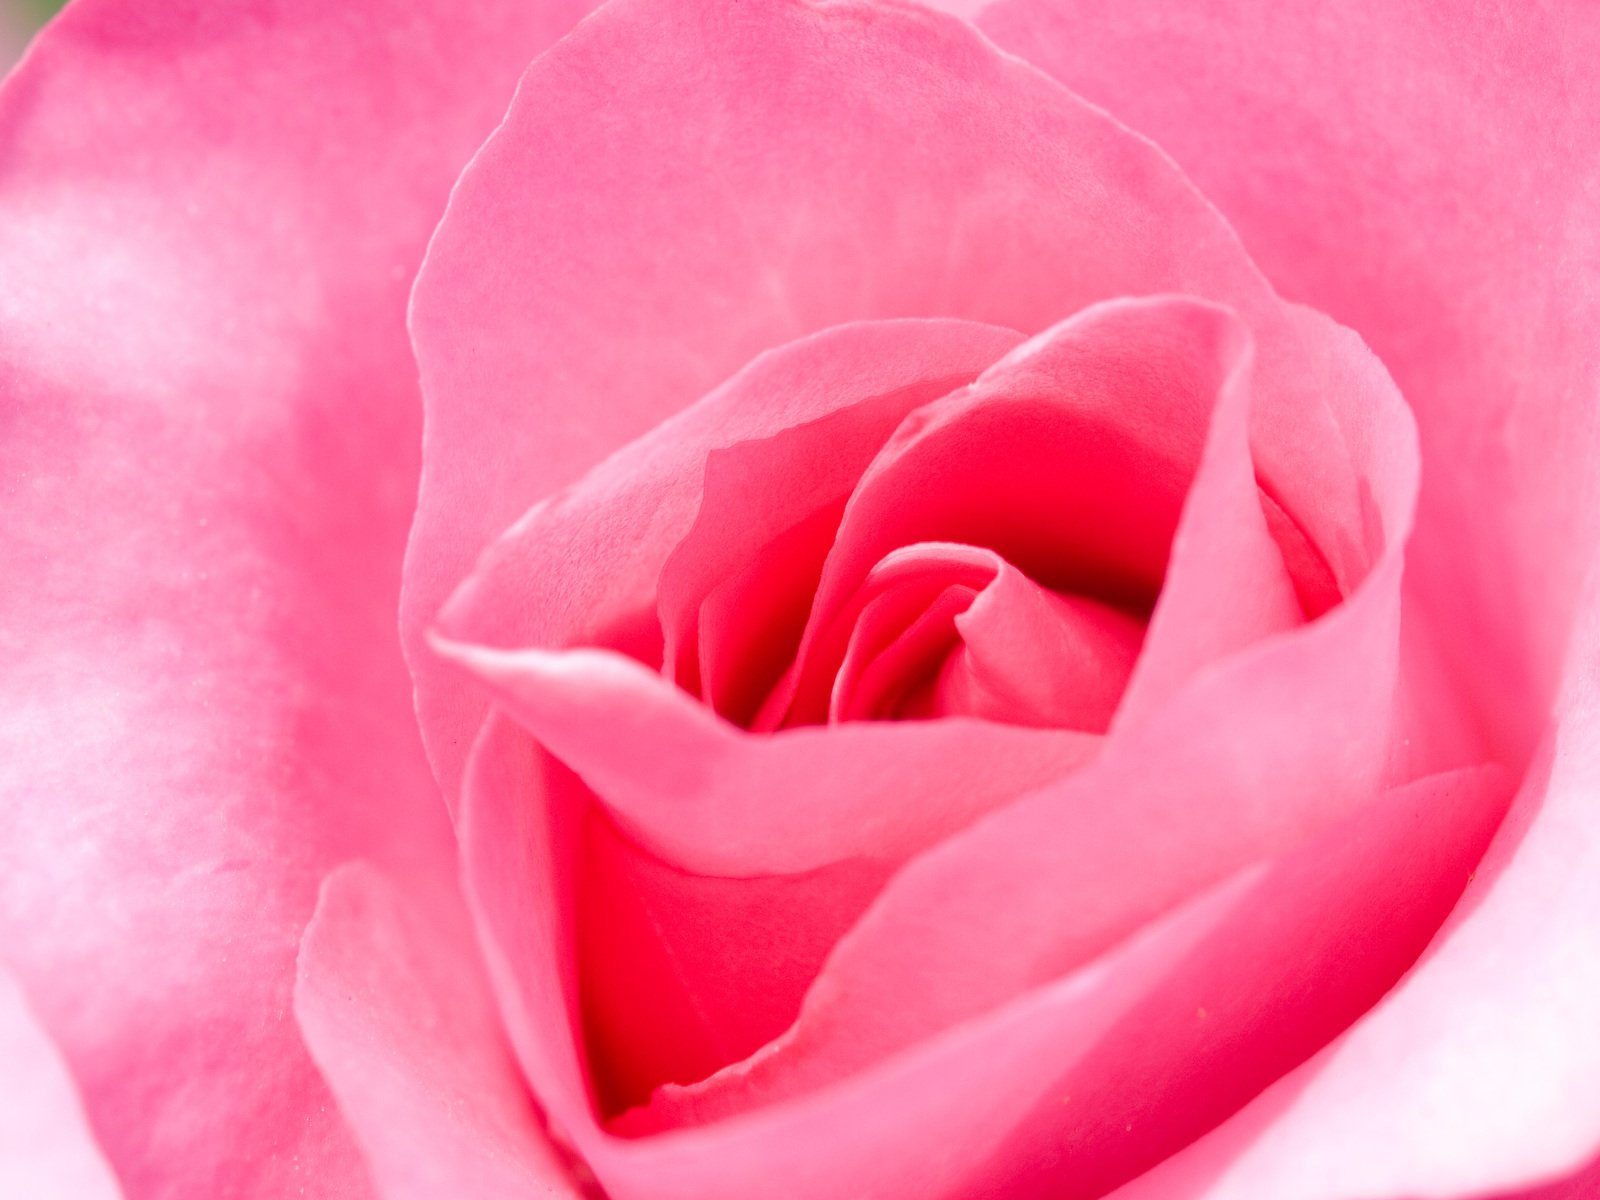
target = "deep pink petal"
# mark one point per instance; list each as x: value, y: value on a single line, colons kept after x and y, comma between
x: 1083, y: 1082
x: 396, y: 1011
x: 1073, y: 458
x: 954, y: 630
x: 683, y: 974
x: 46, y: 1147
x: 966, y: 1111
x: 999, y: 672
x: 212, y: 215
x: 635, y: 232
x: 1241, y: 764
x: 667, y: 520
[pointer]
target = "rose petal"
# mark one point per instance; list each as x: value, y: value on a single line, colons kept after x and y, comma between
x: 1580, y: 1185
x: 1237, y: 766
x: 520, y: 832
x: 213, y: 213
x: 1427, y: 177
x: 657, y: 515
x: 1000, y: 673
x: 46, y: 1147
x: 682, y: 974
x: 712, y: 799
x: 1073, y: 458
x: 780, y: 480
x: 954, y: 630
x: 981, y: 191
x: 963, y: 1113
x: 1512, y: 977
x: 396, y: 1011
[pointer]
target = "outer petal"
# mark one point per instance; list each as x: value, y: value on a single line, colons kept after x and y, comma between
x: 46, y: 1148
x: 396, y: 1010
x: 212, y: 214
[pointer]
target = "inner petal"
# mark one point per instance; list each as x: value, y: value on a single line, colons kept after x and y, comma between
x: 1028, y: 656
x: 887, y: 666
x: 939, y: 629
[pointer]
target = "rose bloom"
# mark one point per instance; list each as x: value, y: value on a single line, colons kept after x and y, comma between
x: 813, y: 600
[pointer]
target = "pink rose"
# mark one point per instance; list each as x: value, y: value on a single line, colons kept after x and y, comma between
x: 998, y: 609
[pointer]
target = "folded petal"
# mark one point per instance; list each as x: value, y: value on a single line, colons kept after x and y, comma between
x: 1479, y: 1071
x: 664, y: 522
x: 1256, y: 755
x: 1029, y: 656
x: 1081, y: 1083
x: 1279, y: 956
x: 682, y: 974
x: 1073, y: 458
x: 397, y: 1013
x: 1426, y: 178
x: 713, y: 799
x: 213, y: 213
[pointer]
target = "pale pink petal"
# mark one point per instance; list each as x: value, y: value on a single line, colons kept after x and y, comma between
x: 397, y: 1013
x: 1583, y: 1184
x: 212, y: 216
x: 1481, y: 1071
x: 46, y: 1146
x: 637, y: 230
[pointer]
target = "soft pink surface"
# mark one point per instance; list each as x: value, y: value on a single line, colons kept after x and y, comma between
x: 1427, y: 175
x: 1478, y: 1072
x: 634, y: 233
x: 393, y: 1003
x: 212, y: 215
x: 46, y: 1148
x: 1278, y: 957
x: 1220, y: 768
